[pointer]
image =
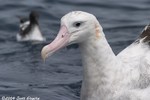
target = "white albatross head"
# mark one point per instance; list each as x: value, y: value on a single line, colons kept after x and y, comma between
x: 76, y: 27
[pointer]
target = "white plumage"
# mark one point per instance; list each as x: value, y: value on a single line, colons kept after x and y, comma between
x: 105, y: 75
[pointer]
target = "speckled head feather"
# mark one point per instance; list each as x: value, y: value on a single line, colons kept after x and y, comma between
x: 89, y: 25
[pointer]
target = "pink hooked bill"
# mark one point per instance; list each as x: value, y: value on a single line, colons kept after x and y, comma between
x: 60, y: 41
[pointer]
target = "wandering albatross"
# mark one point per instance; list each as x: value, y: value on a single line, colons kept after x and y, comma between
x: 29, y: 29
x: 106, y: 76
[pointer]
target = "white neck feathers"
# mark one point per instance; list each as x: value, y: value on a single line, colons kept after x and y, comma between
x: 98, y: 62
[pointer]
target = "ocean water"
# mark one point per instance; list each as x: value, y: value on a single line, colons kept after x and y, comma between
x: 22, y: 71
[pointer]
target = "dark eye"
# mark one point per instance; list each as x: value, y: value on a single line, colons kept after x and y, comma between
x: 77, y: 24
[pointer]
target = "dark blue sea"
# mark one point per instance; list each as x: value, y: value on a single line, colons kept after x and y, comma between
x: 22, y: 71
